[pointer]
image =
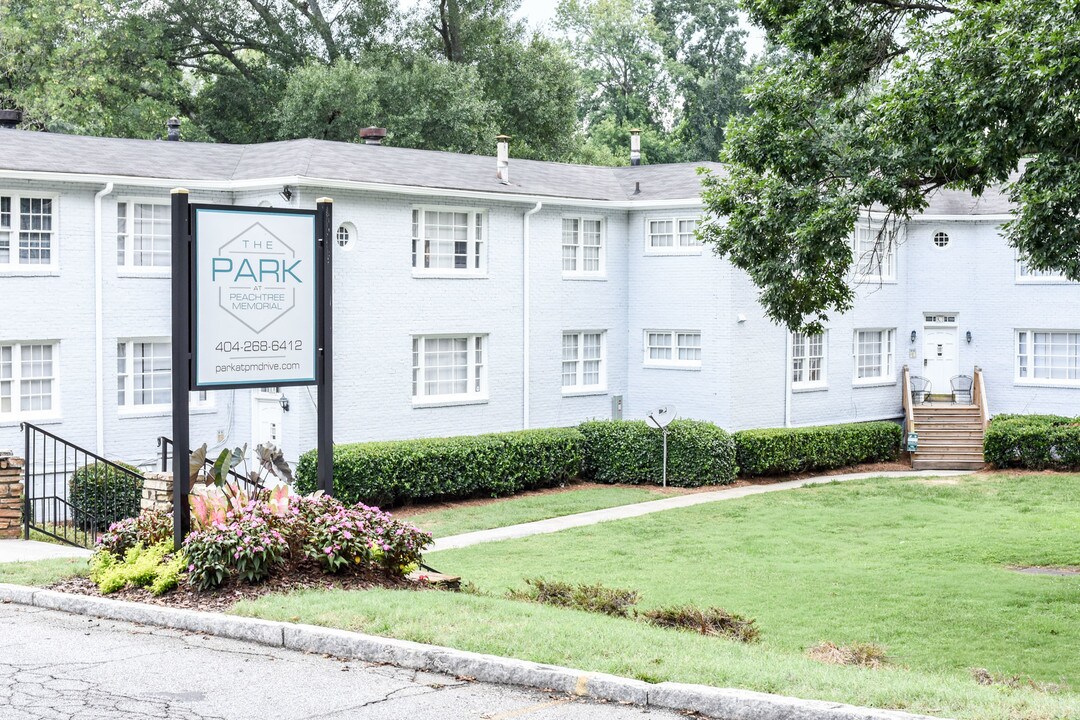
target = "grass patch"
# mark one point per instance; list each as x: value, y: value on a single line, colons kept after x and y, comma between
x: 920, y: 569
x: 526, y: 508
x: 40, y: 573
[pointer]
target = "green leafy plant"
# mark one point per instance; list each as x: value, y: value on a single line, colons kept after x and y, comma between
x: 103, y: 493
x: 156, y: 567
x: 1034, y: 442
x: 778, y: 451
x: 629, y: 451
x: 149, y: 528
x: 707, y: 621
x: 392, y: 473
x: 590, y: 598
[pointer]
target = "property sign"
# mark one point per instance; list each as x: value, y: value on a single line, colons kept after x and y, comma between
x: 254, y: 297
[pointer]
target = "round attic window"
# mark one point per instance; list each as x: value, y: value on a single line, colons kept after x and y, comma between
x: 941, y: 239
x: 346, y: 236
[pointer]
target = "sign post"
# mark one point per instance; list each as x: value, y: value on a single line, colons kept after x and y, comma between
x: 251, y: 308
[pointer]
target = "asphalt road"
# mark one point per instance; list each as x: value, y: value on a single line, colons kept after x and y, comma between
x: 56, y: 666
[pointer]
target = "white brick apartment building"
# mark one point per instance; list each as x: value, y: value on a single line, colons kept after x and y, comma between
x: 465, y: 304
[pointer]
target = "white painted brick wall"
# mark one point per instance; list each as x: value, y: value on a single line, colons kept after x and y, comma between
x: 379, y: 306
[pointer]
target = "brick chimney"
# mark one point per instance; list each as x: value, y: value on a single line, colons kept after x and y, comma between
x: 635, y: 147
x: 373, y: 135
x: 502, y: 160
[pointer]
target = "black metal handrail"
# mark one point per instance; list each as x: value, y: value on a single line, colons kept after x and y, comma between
x: 108, y: 492
x: 165, y: 443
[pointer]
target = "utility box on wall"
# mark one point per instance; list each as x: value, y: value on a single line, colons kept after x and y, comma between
x: 616, y: 407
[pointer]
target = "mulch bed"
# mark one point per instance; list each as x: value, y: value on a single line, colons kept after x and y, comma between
x: 229, y: 594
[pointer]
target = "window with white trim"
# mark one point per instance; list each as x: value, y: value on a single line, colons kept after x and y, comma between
x: 664, y: 236
x: 1027, y: 274
x: 143, y: 234
x: 673, y: 348
x: 144, y: 376
x: 448, y: 240
x: 582, y: 246
x: 26, y: 231
x: 1048, y: 356
x: 28, y: 379
x: 583, y: 361
x: 808, y: 360
x: 874, y: 357
x: 449, y: 368
x: 875, y: 253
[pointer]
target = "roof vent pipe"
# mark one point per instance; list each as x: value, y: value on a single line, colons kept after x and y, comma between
x: 10, y: 118
x: 173, y: 128
x: 635, y: 147
x: 373, y: 135
x: 502, y: 161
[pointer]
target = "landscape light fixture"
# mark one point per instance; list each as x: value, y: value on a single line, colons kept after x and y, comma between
x: 913, y: 337
x: 286, y: 193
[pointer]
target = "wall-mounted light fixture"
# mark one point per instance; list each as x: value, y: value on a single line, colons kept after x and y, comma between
x: 913, y: 337
x: 284, y: 403
x: 967, y: 336
x: 286, y: 193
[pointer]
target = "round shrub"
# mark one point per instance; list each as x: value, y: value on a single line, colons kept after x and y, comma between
x: 779, y: 451
x: 101, y: 494
x: 1034, y: 442
x: 630, y: 451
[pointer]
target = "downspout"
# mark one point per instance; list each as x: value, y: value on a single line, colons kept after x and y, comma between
x: 98, y: 321
x: 525, y: 310
x: 787, y: 382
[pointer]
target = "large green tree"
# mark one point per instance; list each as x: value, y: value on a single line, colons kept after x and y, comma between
x: 867, y: 107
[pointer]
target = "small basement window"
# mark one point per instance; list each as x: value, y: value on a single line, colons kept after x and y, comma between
x: 941, y: 239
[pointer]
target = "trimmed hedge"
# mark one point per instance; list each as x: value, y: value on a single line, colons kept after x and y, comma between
x: 1034, y: 442
x: 778, y: 451
x: 387, y: 474
x: 101, y: 495
x: 629, y: 451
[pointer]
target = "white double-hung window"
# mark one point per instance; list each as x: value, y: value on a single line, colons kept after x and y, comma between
x: 673, y: 348
x: 582, y: 247
x: 1025, y: 274
x: 671, y: 236
x: 808, y: 360
x: 144, y: 376
x: 449, y: 368
x: 449, y: 241
x: 28, y: 380
x: 1048, y: 357
x: 143, y: 235
x: 875, y: 253
x: 583, y: 362
x: 27, y: 232
x: 874, y: 356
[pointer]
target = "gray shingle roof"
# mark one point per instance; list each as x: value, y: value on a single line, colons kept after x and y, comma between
x: 24, y: 151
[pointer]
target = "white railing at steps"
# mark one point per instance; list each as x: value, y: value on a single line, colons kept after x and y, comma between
x: 909, y: 418
x: 978, y: 395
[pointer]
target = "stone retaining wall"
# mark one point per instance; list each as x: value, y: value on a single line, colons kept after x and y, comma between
x: 11, y: 495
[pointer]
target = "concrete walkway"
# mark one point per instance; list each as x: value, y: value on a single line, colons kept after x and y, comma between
x: 28, y: 550
x: 622, y: 512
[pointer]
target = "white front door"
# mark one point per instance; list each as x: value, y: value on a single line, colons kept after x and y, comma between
x: 266, y: 417
x: 940, y: 361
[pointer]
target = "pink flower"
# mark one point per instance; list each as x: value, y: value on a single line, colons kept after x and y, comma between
x: 328, y: 550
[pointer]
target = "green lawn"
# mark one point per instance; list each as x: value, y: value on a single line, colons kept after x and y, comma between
x: 918, y: 568
x: 515, y: 510
x: 42, y: 572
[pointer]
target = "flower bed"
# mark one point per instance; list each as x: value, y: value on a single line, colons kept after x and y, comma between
x: 247, y: 540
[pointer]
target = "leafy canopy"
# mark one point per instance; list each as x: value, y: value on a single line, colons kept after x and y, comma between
x: 872, y: 105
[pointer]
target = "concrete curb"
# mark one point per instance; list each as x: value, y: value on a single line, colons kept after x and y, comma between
x: 729, y: 704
